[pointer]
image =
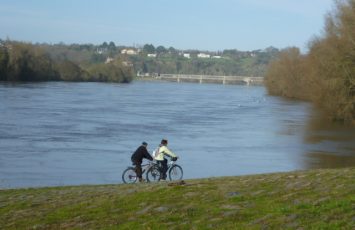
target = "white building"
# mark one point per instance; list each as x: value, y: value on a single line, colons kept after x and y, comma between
x: 127, y: 63
x: 203, y: 55
x: 152, y: 55
x: 109, y: 60
x: 218, y: 57
x: 129, y: 51
x: 100, y: 50
x: 186, y: 55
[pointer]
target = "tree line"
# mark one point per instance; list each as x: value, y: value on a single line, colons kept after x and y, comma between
x: 229, y: 62
x: 326, y: 74
x: 21, y: 61
x: 167, y: 60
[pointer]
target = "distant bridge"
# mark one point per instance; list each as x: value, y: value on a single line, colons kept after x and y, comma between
x: 243, y: 80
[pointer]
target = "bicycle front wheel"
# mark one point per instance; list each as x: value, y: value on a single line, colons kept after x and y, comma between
x: 153, y: 174
x: 175, y: 172
x: 129, y: 176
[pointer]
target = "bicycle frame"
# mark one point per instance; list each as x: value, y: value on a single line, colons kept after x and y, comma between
x: 171, y: 164
x: 146, y: 167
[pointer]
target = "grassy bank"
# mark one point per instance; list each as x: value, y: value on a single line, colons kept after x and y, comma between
x: 316, y: 199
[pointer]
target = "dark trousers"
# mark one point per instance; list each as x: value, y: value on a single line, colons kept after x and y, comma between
x: 138, y: 169
x: 163, y: 165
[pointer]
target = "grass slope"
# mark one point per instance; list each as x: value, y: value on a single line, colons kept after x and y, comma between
x: 316, y: 199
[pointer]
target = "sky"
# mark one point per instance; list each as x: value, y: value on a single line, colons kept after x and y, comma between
x: 211, y: 25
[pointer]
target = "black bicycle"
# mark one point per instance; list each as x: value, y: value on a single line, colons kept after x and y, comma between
x: 175, y: 172
x: 129, y: 175
x: 153, y: 171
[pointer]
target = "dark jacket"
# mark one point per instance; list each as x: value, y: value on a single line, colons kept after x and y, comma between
x: 139, y: 154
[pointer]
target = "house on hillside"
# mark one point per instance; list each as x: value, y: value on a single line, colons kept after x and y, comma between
x: 203, y: 55
x: 127, y: 63
x: 129, y: 51
x: 152, y: 55
x: 101, y: 50
x: 109, y: 60
x: 186, y: 55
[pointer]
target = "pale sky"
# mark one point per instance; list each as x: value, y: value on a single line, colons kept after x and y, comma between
x: 183, y: 24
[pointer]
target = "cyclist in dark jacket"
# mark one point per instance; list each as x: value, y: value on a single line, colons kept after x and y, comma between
x: 137, y: 158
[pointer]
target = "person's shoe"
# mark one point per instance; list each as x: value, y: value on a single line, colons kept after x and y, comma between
x: 162, y: 180
x: 141, y: 180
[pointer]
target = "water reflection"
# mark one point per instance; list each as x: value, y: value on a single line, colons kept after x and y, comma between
x: 329, y: 160
x: 330, y: 145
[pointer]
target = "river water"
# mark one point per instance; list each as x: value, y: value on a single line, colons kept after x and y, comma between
x: 84, y: 133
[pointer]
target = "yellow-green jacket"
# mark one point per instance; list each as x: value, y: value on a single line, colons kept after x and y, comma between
x: 163, y: 150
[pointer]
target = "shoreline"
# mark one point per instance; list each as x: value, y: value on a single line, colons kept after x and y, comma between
x: 317, y: 198
x: 191, y: 179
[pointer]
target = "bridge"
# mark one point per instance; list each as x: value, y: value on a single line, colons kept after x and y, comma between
x: 242, y: 80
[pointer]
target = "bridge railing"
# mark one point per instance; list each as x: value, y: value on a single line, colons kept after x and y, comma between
x: 196, y: 76
x: 209, y: 78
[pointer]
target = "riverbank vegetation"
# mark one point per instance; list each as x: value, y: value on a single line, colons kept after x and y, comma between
x: 21, y: 61
x: 222, y: 63
x: 315, y: 199
x: 326, y: 74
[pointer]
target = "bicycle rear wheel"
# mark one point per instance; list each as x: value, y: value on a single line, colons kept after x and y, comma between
x: 175, y: 172
x: 129, y: 176
x: 153, y: 174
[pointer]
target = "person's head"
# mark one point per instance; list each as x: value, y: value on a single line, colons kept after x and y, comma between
x: 164, y: 142
x: 145, y: 144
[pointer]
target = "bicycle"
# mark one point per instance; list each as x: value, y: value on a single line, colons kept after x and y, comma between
x: 175, y: 172
x: 153, y: 171
x: 129, y: 175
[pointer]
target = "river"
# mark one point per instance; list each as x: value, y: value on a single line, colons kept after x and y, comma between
x: 58, y: 133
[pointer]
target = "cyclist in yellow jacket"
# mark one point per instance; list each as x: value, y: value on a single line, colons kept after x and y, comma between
x: 163, y: 163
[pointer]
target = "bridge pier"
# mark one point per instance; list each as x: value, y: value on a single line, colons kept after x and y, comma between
x: 247, y: 80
